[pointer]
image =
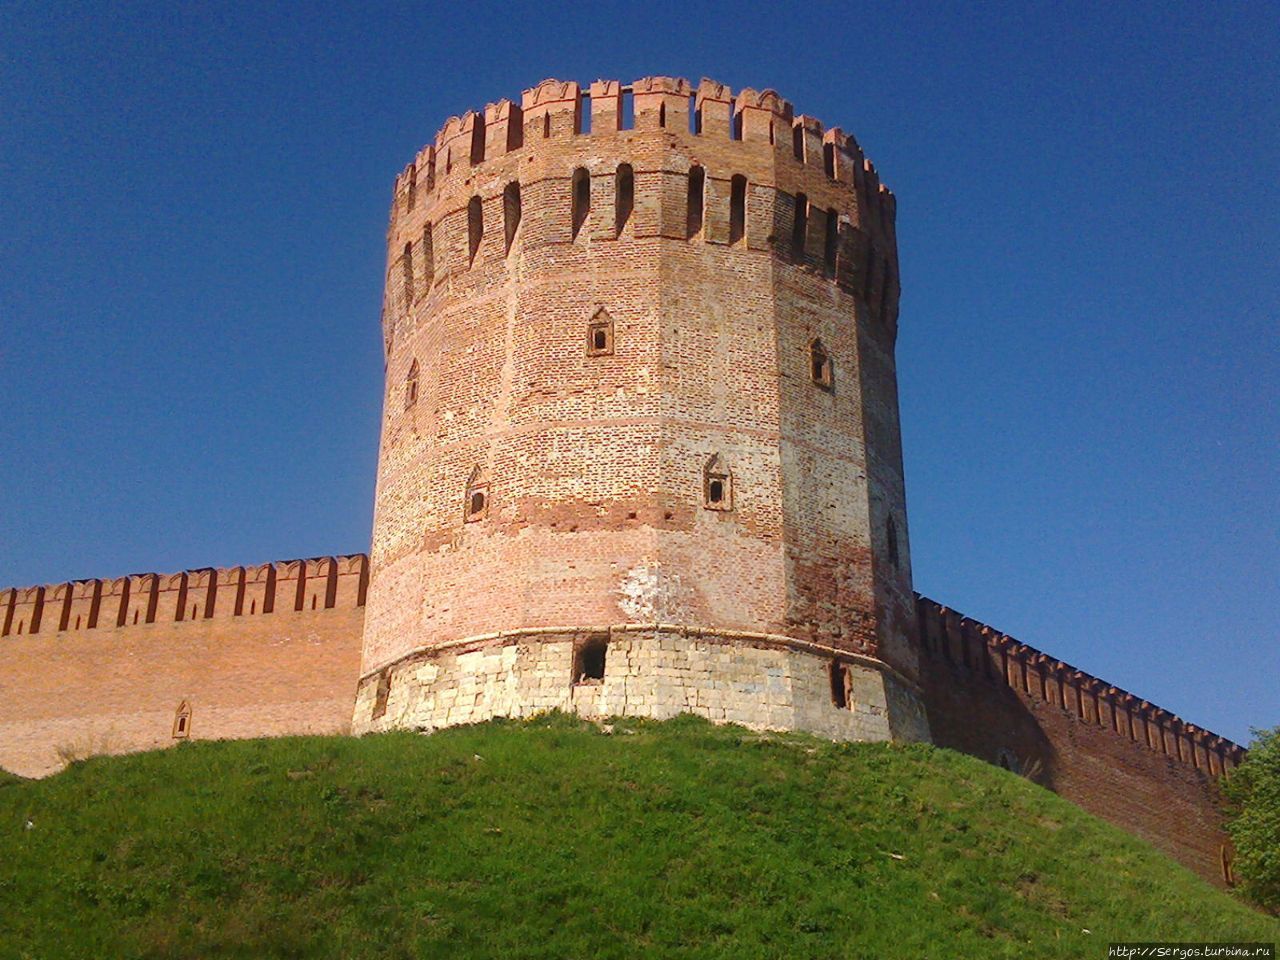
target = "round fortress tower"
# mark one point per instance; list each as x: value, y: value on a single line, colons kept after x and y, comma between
x: 640, y: 446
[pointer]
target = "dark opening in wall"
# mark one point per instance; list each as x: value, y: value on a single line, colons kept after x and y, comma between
x: 800, y: 226
x: 381, y: 694
x: 717, y: 484
x: 475, y: 227
x: 411, y: 385
x: 589, y: 660
x: 477, y: 139
x: 829, y: 159
x: 624, y: 196
x: 511, y: 212
x: 697, y: 188
x: 476, y: 502
x: 581, y: 199
x: 546, y: 125
x: 182, y: 721
x: 797, y: 141
x: 600, y: 335
x: 428, y: 259
x: 695, y: 114
x: 891, y: 537
x: 839, y: 675
x: 406, y: 265
x: 832, y: 244
x: 662, y: 114
x: 412, y: 196
x: 737, y: 208
x: 821, y: 369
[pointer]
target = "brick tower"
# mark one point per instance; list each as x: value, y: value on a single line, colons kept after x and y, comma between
x: 640, y: 446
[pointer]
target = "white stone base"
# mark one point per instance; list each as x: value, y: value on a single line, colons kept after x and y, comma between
x: 758, y: 681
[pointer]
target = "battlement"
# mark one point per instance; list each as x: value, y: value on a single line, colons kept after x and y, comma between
x: 555, y: 111
x: 319, y: 583
x: 984, y: 653
x: 567, y: 167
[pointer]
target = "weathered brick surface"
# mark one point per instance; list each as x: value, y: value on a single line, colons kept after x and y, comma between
x: 1119, y: 757
x: 594, y: 464
x: 268, y: 650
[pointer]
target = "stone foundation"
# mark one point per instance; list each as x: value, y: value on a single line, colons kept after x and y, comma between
x: 761, y: 681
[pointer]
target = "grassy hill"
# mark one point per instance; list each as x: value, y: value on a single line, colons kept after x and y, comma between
x: 556, y: 839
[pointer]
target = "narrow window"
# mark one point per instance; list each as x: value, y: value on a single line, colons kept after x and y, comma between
x: 800, y: 225
x: 581, y: 199
x: 381, y: 695
x: 839, y: 674
x: 546, y: 125
x: 411, y: 385
x: 662, y: 114
x: 624, y: 196
x: 475, y: 226
x: 697, y: 183
x: 428, y: 259
x: 476, y: 505
x: 511, y: 212
x: 832, y: 243
x: 588, y: 662
x: 737, y: 208
x: 406, y: 265
x: 821, y: 369
x: 600, y: 335
x: 717, y: 485
x: 829, y: 159
x: 891, y: 536
x: 884, y: 289
x: 182, y: 721
x: 695, y: 114
x: 797, y: 141
x: 412, y: 197
x: 477, y: 139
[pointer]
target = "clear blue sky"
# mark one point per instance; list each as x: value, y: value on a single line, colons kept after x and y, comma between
x: 193, y: 199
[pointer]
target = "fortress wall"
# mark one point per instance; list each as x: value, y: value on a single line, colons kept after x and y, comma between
x: 1117, y: 756
x: 103, y: 666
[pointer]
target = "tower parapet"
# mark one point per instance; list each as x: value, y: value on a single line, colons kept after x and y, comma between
x: 641, y: 393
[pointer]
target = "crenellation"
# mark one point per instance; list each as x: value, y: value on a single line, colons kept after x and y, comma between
x: 662, y: 103
x: 552, y: 111
x: 807, y: 141
x: 205, y: 593
x: 714, y: 107
x: 606, y: 107
x: 763, y: 117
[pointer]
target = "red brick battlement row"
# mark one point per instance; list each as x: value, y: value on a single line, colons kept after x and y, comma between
x: 982, y: 652
x: 202, y: 594
x: 554, y: 111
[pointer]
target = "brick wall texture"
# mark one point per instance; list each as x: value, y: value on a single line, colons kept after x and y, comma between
x: 104, y: 666
x: 640, y: 455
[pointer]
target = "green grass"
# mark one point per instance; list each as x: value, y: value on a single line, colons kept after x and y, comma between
x: 552, y: 839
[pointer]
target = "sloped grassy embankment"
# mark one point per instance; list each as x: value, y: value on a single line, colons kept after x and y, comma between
x: 555, y: 839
